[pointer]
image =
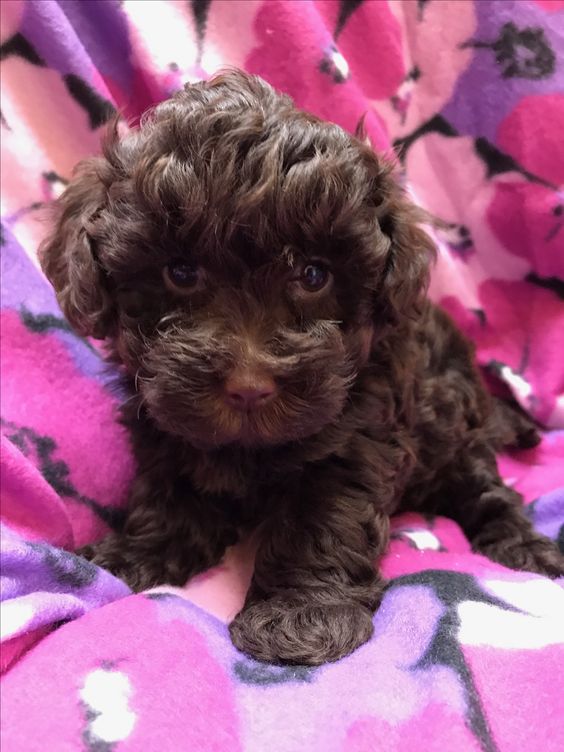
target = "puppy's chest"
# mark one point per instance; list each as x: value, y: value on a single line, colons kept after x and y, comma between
x: 218, y: 476
x: 240, y: 481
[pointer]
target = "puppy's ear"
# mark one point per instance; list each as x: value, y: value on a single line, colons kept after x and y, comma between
x: 408, y: 262
x: 68, y: 255
x: 410, y: 251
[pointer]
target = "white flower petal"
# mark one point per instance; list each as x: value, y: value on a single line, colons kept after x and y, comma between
x: 107, y: 693
x: 482, y: 624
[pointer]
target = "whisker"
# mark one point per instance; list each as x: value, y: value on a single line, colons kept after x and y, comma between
x: 139, y: 406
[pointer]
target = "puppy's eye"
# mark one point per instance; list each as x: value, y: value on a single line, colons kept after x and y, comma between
x: 314, y: 277
x: 182, y: 275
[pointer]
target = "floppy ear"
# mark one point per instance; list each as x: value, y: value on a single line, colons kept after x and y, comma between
x: 411, y: 251
x: 408, y: 263
x: 68, y: 255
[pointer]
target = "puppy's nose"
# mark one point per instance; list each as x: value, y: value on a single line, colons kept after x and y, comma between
x: 246, y: 389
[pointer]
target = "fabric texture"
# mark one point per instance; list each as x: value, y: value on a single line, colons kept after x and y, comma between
x: 466, y: 654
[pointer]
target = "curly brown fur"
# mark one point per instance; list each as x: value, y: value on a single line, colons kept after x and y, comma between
x: 374, y: 403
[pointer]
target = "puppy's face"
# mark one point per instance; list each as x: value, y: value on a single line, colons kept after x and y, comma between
x: 257, y: 346
x: 242, y: 256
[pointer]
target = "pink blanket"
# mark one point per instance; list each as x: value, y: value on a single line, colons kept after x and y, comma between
x: 466, y: 655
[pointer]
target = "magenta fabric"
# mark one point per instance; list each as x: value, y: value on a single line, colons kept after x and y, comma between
x: 466, y: 654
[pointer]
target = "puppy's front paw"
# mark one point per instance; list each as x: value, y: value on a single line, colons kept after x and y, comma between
x: 103, y: 556
x: 539, y: 555
x: 138, y: 572
x: 285, y: 631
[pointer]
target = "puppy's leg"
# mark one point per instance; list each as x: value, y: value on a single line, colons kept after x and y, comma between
x: 513, y: 426
x: 169, y: 536
x: 315, y: 585
x: 492, y: 516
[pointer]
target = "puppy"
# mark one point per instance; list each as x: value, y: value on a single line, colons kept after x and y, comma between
x: 260, y: 279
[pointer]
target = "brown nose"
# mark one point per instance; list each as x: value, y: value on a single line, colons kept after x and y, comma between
x: 248, y: 390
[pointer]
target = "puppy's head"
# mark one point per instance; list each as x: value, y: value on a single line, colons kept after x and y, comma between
x: 242, y: 256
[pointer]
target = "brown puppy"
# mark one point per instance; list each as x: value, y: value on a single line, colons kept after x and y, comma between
x: 260, y: 278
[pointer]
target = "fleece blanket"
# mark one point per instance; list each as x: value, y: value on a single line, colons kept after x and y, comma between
x: 466, y: 655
